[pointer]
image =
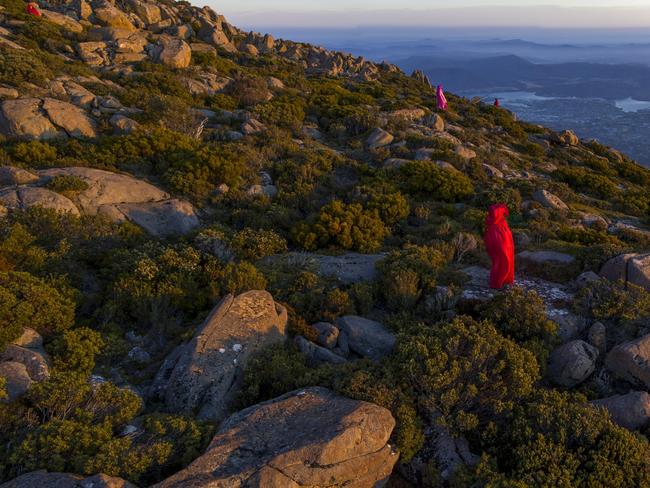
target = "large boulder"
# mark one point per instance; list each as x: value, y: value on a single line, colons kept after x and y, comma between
x: 68, y: 23
x: 379, y: 138
x: 203, y: 375
x: 174, y: 53
x: 631, y: 361
x: 109, y: 15
x: 17, y: 380
x: 631, y: 411
x: 73, y: 120
x: 24, y: 197
x: 311, y: 437
x: 316, y: 354
x: 43, y: 479
x: 572, y: 363
x: 24, y: 118
x: 12, y: 176
x: 631, y: 268
x: 35, y: 361
x: 365, y: 337
x: 107, y: 188
x: 164, y: 218
x: 547, y: 199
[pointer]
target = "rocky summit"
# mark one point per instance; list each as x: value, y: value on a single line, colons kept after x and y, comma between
x: 231, y: 260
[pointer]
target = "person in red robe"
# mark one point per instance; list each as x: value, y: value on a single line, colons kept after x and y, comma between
x: 32, y: 9
x: 500, y: 246
x: 497, y: 103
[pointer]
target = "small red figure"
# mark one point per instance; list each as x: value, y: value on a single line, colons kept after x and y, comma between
x: 497, y: 103
x: 32, y: 9
x: 500, y: 246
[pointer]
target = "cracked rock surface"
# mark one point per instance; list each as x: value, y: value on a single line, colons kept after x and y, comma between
x: 306, y: 438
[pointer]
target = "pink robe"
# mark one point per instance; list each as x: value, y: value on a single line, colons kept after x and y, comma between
x: 442, y: 100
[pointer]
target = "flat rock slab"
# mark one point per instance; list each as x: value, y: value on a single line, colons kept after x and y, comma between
x: 106, y: 187
x: 347, y: 269
x: 307, y: 438
x: 202, y: 377
x: 43, y: 479
x: 169, y: 217
x: 546, y: 257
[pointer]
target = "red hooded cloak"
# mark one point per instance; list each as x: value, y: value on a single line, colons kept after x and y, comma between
x: 500, y: 246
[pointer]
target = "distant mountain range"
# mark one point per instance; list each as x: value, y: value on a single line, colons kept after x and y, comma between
x: 511, y: 72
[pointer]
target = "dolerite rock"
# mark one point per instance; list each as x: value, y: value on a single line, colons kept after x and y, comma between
x: 379, y: 138
x: 148, y: 12
x: 541, y: 258
x: 631, y: 411
x: 549, y: 200
x: 164, y: 218
x: 203, y: 375
x: 36, y: 362
x: 435, y: 121
x: 24, y: 118
x: 631, y: 361
x: 107, y: 188
x: 597, y: 337
x: 23, y: 197
x: 105, y: 13
x: 465, y: 152
x: 10, y: 176
x: 43, y: 479
x: 631, y: 268
x: 572, y: 363
x: 175, y: 53
x: 316, y: 354
x: 309, y: 437
x: 567, y: 138
x: 68, y: 23
x: 123, y: 124
x: 365, y: 337
x: 17, y: 380
x: 73, y: 120
x: 327, y: 334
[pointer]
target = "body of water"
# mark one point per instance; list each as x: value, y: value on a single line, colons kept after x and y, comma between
x: 622, y: 124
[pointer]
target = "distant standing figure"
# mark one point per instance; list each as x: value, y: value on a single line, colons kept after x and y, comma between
x: 497, y: 103
x: 32, y: 9
x: 442, y: 100
x: 500, y: 246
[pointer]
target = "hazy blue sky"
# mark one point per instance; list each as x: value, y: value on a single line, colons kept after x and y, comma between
x: 347, y: 13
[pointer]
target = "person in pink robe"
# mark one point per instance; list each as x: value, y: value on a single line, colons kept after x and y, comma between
x: 442, y: 100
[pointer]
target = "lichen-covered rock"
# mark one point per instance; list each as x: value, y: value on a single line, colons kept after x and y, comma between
x: 43, y: 479
x: 310, y: 437
x: 107, y: 188
x: 73, y: 120
x: 163, y: 218
x: 631, y: 361
x: 572, y: 363
x: 24, y: 118
x: 17, y: 380
x: 12, y: 176
x: 631, y: 410
x: 379, y: 138
x: 367, y: 338
x: 549, y: 200
x: 24, y: 197
x: 174, y: 53
x: 203, y: 375
x: 631, y: 268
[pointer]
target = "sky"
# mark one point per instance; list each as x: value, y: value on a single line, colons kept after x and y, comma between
x: 344, y: 13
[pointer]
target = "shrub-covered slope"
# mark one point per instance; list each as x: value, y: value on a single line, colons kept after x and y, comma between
x: 230, y: 162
